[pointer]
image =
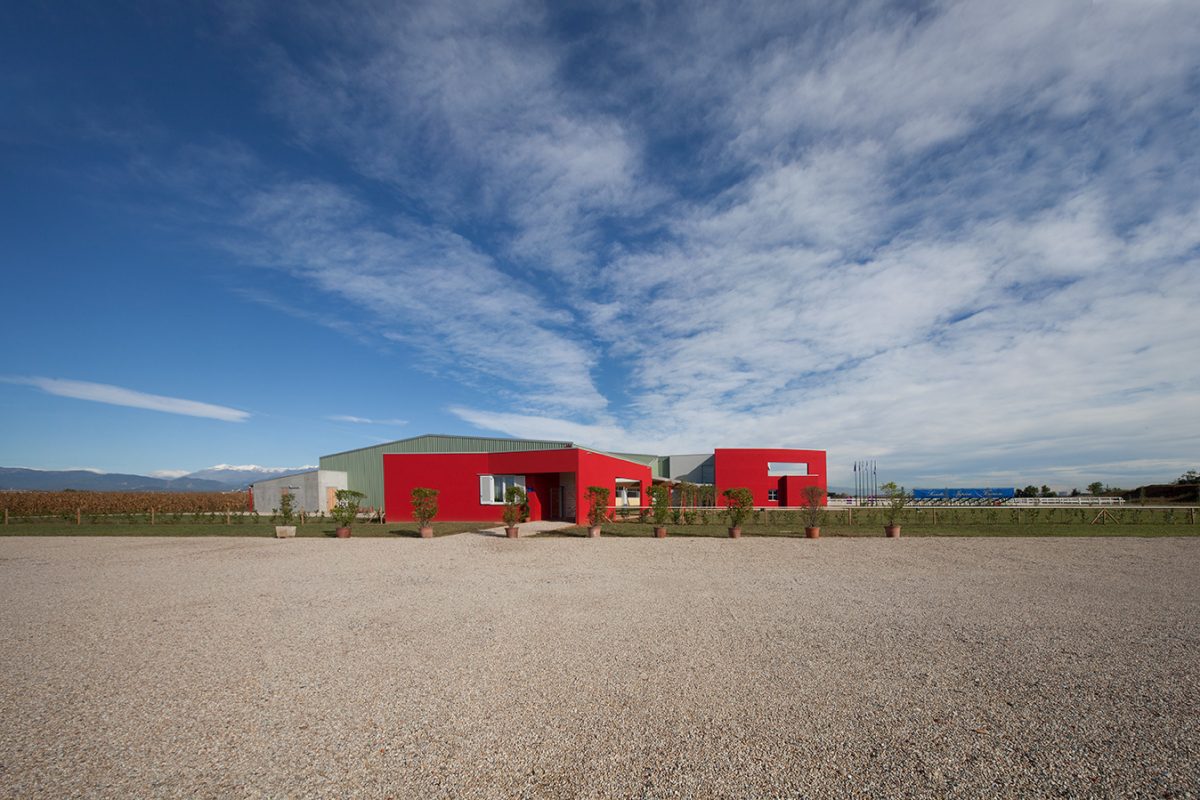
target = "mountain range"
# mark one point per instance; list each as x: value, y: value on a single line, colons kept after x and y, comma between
x: 220, y: 478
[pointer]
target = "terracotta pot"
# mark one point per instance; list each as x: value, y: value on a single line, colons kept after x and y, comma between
x: 892, y: 531
x: 285, y: 531
x: 735, y: 533
x: 343, y: 533
x: 426, y: 532
x: 511, y: 533
x: 594, y: 531
x: 660, y: 533
x: 812, y: 533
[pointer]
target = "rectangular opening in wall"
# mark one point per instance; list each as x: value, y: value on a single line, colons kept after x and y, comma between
x: 492, y: 488
x: 786, y: 468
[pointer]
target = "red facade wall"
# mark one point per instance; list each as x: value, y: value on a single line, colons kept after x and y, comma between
x: 456, y: 476
x: 747, y: 467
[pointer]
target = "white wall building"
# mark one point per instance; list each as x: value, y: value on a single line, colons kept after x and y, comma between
x: 313, y: 491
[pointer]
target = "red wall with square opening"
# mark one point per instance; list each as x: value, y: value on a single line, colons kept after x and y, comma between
x: 734, y: 467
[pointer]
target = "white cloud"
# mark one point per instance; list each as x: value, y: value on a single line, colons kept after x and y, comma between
x: 365, y: 420
x: 528, y: 426
x: 468, y: 103
x: 426, y: 288
x: 120, y: 396
x: 961, y: 238
x: 928, y: 78
x: 169, y: 474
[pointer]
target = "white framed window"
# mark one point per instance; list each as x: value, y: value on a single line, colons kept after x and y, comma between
x: 492, y: 488
x: 773, y: 495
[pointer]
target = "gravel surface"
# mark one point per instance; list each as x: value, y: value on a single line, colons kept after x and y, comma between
x: 472, y: 666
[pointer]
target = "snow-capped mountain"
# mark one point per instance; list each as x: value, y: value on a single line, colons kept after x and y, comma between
x: 238, y: 475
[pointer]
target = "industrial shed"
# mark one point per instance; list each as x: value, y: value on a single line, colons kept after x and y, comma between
x: 364, y: 466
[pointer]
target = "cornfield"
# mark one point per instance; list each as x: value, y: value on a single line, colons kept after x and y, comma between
x: 39, y: 504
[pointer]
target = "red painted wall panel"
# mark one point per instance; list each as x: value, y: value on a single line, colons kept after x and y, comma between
x: 454, y: 475
x: 748, y: 467
x: 600, y: 470
x: 792, y: 493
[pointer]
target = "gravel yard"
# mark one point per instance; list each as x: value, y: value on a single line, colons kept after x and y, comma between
x: 474, y: 666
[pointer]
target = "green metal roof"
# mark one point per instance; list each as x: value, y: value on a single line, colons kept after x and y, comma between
x: 444, y: 443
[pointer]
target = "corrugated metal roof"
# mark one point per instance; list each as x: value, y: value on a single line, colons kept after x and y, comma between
x: 445, y: 443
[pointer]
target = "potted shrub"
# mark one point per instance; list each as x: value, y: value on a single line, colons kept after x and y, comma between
x: 514, y: 510
x: 660, y: 507
x: 897, y: 499
x: 597, y: 497
x: 813, y: 513
x: 739, y: 503
x: 345, y: 510
x: 287, y: 515
x: 424, y: 509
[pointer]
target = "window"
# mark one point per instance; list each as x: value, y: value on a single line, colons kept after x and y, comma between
x: 492, y: 488
x: 786, y: 468
x: 773, y: 495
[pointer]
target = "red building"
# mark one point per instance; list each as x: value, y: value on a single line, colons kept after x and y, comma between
x: 472, y: 484
x: 776, y: 477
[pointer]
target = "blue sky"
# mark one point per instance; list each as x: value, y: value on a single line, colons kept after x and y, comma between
x: 961, y: 239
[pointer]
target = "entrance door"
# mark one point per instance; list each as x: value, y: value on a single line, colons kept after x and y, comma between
x: 567, y: 481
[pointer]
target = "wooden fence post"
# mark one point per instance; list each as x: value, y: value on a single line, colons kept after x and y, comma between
x: 152, y: 516
x: 227, y: 516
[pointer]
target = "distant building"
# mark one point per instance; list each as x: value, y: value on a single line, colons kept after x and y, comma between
x: 313, y: 491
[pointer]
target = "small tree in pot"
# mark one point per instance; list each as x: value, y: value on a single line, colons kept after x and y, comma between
x: 514, y: 510
x: 597, y: 497
x: 739, y: 503
x: 897, y: 499
x: 660, y: 506
x: 813, y: 513
x: 287, y: 516
x: 424, y: 509
x: 345, y: 511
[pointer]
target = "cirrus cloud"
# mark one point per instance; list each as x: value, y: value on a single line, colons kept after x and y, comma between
x: 130, y: 398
